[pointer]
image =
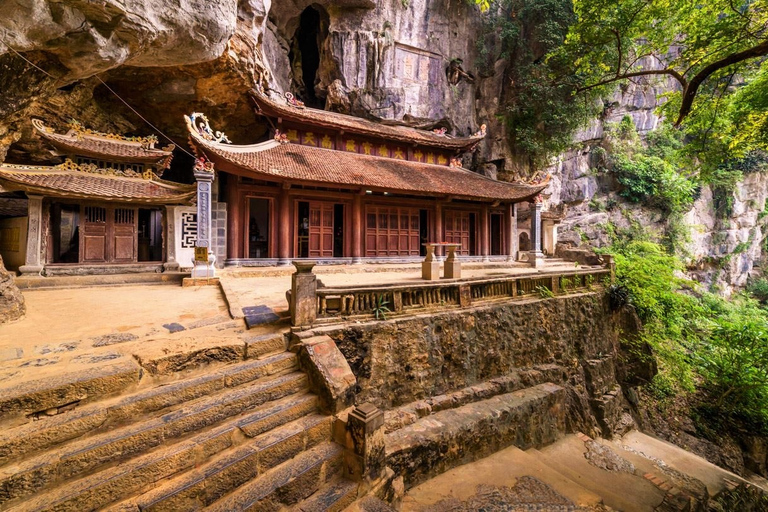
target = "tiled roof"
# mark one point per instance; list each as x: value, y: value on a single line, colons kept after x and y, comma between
x: 315, y: 117
x: 286, y: 162
x: 53, y: 182
x: 104, y: 148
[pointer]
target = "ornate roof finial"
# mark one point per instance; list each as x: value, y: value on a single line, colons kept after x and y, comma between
x: 291, y: 99
x: 203, y: 165
x: 281, y: 137
x: 198, y: 123
x: 455, y: 162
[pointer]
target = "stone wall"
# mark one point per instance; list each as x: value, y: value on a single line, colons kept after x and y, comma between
x: 400, y: 361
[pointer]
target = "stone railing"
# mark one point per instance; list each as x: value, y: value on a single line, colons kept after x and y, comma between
x: 334, y: 304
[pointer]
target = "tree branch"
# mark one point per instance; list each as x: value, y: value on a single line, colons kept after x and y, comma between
x: 671, y: 72
x: 690, y: 90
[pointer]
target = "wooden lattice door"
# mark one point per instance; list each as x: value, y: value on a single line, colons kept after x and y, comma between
x: 457, y: 229
x: 124, y: 235
x: 320, y: 230
x: 392, y: 231
x: 94, y: 246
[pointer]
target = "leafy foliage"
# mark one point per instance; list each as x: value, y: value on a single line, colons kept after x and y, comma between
x: 650, y: 171
x: 706, y: 344
x: 381, y: 308
x: 538, y: 104
x: 564, y: 56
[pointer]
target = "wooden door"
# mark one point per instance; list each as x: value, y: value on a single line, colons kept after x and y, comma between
x: 320, y: 230
x: 391, y: 231
x: 94, y: 246
x: 457, y: 230
x: 124, y: 235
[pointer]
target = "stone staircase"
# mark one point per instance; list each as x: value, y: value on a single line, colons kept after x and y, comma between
x: 241, y: 436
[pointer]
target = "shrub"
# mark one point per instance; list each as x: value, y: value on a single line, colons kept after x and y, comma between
x: 759, y: 289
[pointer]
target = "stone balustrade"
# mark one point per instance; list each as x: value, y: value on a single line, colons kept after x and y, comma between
x: 334, y: 304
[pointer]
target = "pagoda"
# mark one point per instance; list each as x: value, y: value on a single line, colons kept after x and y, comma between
x: 340, y: 189
x: 103, y: 210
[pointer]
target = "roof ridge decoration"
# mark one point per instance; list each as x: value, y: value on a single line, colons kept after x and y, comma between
x: 197, y: 122
x: 80, y: 131
x: 69, y: 165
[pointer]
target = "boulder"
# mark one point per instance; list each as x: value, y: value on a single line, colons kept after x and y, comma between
x: 12, y: 305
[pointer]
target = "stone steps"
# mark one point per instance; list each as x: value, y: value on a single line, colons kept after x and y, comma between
x: 334, y: 496
x: 100, y: 489
x: 529, y: 417
x: 83, y: 456
x: 222, y: 474
x: 47, y: 432
x: 285, y: 484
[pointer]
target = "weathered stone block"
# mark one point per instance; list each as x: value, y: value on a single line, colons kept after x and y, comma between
x: 329, y: 374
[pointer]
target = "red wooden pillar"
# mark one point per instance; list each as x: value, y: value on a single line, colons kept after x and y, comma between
x: 484, y: 238
x: 234, y: 218
x: 357, y: 228
x: 284, y: 226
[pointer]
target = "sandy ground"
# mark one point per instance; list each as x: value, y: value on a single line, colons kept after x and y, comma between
x: 56, y: 316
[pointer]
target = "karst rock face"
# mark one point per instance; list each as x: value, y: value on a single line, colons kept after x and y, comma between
x: 169, y: 57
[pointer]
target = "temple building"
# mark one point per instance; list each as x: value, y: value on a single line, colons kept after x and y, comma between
x: 103, y: 210
x: 337, y: 188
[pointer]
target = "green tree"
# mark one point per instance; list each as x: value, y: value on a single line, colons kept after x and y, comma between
x: 711, y: 52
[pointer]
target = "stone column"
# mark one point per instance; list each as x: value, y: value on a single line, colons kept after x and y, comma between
x: 535, y: 256
x: 365, y: 441
x: 204, y: 175
x: 357, y: 229
x: 34, y: 260
x: 511, y: 231
x: 171, y: 263
x: 303, y: 301
x: 485, y: 244
x: 284, y: 227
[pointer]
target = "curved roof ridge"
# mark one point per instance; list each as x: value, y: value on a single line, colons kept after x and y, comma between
x: 99, y: 146
x: 406, y: 134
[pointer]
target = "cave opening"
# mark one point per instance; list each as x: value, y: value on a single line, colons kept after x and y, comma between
x: 305, y: 56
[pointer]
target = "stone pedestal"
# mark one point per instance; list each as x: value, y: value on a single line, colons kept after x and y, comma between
x: 34, y: 262
x: 535, y: 259
x: 430, y: 267
x: 303, y: 302
x: 365, y: 443
x: 452, y: 265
